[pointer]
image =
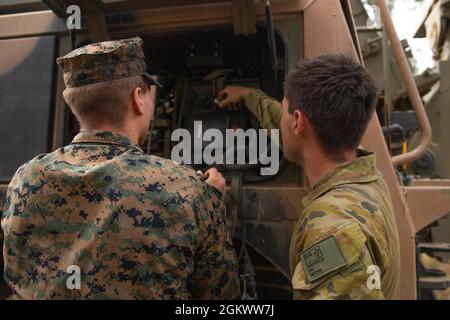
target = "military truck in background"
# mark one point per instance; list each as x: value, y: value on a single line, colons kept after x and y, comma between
x: 401, y: 126
x: 196, y: 48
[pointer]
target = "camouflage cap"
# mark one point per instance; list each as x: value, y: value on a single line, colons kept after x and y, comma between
x: 105, y: 61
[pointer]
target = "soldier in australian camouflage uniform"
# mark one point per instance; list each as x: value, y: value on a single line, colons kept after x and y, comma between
x: 137, y: 226
x: 347, y: 234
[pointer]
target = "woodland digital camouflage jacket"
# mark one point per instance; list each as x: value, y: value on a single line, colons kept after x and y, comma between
x: 137, y: 226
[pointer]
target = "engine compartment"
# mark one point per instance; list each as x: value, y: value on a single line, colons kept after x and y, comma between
x: 194, y: 67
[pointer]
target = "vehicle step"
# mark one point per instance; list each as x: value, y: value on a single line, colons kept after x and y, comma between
x: 434, y: 247
x: 434, y: 283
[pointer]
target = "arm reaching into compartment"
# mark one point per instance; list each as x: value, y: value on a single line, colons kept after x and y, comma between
x: 265, y: 108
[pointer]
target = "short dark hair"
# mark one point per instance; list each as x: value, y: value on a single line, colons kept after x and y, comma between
x: 337, y: 95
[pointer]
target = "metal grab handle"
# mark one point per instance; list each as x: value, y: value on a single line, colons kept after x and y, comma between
x: 411, y: 88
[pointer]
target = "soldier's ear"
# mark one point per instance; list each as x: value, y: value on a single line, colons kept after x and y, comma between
x: 137, y: 101
x: 299, y: 122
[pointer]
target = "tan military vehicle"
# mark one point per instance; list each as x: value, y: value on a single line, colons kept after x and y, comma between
x: 401, y: 123
x: 196, y: 48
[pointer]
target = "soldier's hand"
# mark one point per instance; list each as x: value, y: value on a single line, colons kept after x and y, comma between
x: 215, y: 178
x: 231, y: 96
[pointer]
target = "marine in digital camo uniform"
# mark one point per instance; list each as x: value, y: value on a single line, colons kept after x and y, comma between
x: 346, y: 228
x: 137, y: 226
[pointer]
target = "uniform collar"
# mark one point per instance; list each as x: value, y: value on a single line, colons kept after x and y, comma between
x: 361, y: 170
x: 104, y: 137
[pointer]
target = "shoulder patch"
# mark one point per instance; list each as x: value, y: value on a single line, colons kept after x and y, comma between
x: 322, y: 258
